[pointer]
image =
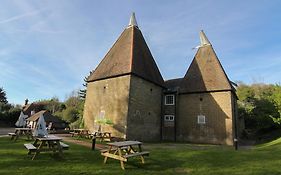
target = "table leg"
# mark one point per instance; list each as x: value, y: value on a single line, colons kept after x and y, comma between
x: 59, y: 148
x: 105, y: 158
x: 142, y: 159
x: 109, y: 134
x: 16, y: 137
x: 140, y: 150
x: 38, y: 149
x: 29, y: 135
x: 121, y: 162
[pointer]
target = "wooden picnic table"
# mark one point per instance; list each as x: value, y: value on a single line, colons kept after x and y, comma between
x: 102, y: 135
x: 123, y: 150
x: 80, y: 133
x: 21, y: 132
x: 46, y: 144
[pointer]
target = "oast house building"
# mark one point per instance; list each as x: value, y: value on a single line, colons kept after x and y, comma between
x: 128, y: 89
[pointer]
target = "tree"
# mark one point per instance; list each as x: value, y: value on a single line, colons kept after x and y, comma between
x: 260, y: 105
x: 82, y: 92
x: 72, y: 110
x: 3, y: 98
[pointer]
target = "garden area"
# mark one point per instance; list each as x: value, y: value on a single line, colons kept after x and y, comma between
x: 164, y: 158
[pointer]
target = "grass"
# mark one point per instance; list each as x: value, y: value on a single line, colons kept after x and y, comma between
x: 165, y: 158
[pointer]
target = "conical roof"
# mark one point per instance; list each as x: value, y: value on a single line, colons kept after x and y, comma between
x: 205, y: 72
x: 129, y: 55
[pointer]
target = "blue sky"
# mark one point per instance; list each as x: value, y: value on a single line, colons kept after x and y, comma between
x: 47, y: 47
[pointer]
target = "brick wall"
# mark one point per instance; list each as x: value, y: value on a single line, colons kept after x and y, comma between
x: 144, y: 119
x: 111, y: 96
x: 217, y: 109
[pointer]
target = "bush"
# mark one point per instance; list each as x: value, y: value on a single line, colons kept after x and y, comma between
x: 259, y: 105
x: 10, y: 116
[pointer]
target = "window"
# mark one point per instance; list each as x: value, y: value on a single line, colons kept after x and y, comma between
x: 201, y: 119
x: 169, y: 118
x: 169, y: 100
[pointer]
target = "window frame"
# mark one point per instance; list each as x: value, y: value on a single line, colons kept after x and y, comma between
x: 173, y: 97
x: 200, y: 117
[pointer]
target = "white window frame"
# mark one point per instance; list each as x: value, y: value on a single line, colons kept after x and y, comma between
x: 173, y: 97
x: 201, y: 119
x: 169, y: 118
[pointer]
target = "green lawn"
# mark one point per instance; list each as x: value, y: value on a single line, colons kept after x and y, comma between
x: 164, y: 159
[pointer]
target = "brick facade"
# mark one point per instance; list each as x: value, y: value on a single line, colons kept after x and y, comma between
x: 127, y: 88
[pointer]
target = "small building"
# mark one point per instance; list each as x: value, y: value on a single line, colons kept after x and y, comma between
x: 32, y: 108
x: 52, y: 122
x: 127, y: 88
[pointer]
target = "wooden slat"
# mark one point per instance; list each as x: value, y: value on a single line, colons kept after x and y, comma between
x: 29, y: 146
x: 144, y: 153
x: 125, y: 143
x: 64, y: 146
x: 113, y: 156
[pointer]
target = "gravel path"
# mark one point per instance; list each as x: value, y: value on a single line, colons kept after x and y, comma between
x: 68, y: 138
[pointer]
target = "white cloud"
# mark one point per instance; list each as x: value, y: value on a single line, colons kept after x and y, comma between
x: 18, y: 17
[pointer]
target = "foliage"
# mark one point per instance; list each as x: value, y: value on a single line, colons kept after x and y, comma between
x: 82, y: 92
x: 72, y: 110
x: 104, y: 121
x: 79, y: 123
x: 3, y: 98
x: 70, y: 114
x: 53, y: 105
x: 260, y: 105
x: 9, y: 114
x: 164, y: 158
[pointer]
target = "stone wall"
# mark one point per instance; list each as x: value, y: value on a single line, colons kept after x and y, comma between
x: 110, y: 98
x: 218, y: 111
x: 144, y: 119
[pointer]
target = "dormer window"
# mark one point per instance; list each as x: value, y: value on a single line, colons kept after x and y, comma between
x: 169, y: 99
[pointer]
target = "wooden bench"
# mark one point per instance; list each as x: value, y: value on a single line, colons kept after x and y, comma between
x: 64, y: 146
x: 12, y: 134
x: 31, y: 148
x: 103, y: 136
x: 73, y: 134
x: 144, y: 153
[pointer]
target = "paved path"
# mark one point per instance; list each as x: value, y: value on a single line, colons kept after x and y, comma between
x: 4, y: 131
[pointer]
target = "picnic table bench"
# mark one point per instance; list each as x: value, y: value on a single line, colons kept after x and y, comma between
x: 46, y: 144
x: 21, y: 132
x: 80, y: 133
x: 12, y: 134
x: 101, y: 135
x: 123, y: 150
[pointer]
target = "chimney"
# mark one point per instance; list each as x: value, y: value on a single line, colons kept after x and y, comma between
x: 26, y: 102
